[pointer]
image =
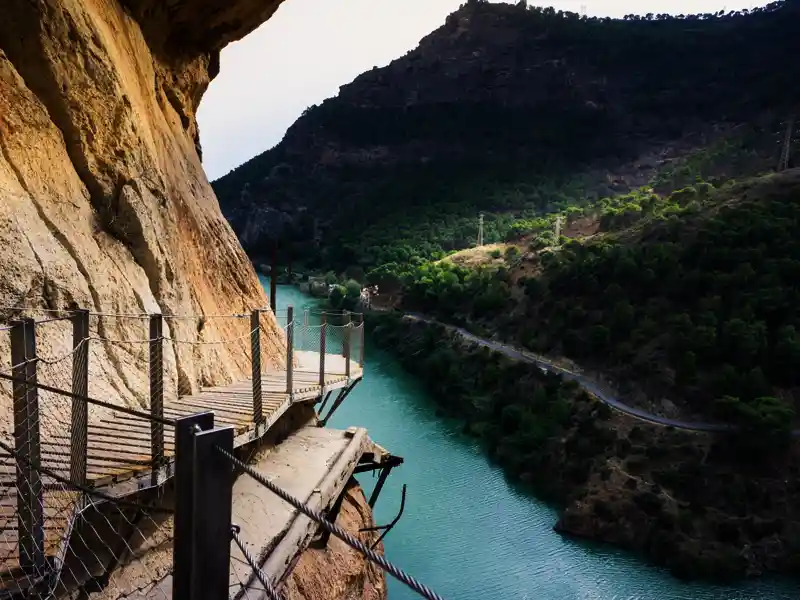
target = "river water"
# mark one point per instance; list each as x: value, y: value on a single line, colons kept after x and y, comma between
x: 467, y: 532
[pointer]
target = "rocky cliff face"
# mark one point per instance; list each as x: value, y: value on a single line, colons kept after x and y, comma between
x: 103, y: 199
x: 104, y: 203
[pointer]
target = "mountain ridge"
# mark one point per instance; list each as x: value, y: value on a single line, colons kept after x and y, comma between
x: 505, y: 108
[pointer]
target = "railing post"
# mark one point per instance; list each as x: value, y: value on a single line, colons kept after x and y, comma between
x: 255, y: 360
x: 79, y: 435
x: 213, y: 494
x: 273, y: 279
x: 156, y: 393
x: 361, y: 340
x: 27, y: 443
x: 186, y: 521
x: 322, y: 329
x: 289, y: 350
x: 305, y: 330
x: 348, y: 328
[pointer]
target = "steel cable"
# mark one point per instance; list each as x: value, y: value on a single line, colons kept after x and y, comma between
x: 124, y: 409
x: 260, y: 575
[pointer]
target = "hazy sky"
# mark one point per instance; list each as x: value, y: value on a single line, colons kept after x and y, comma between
x: 311, y: 47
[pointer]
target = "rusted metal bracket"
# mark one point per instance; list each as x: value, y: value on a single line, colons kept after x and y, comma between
x: 387, y: 528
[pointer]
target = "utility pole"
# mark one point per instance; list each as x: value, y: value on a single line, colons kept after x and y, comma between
x: 480, y: 229
x: 273, y: 278
x: 783, y: 163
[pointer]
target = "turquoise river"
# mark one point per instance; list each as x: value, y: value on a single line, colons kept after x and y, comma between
x: 467, y: 532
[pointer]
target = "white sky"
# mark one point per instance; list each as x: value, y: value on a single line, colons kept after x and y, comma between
x: 311, y: 47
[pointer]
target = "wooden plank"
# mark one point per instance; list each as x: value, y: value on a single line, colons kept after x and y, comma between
x: 99, y: 458
x: 230, y: 402
x: 243, y: 397
x: 226, y: 419
x: 112, y: 429
x: 111, y: 441
x: 126, y: 422
x: 232, y: 405
x: 60, y: 466
x: 212, y: 403
x: 240, y: 402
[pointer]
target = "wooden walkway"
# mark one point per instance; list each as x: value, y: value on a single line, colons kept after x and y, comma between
x: 119, y: 446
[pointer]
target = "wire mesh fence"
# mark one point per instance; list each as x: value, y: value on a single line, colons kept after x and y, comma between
x: 49, y: 460
x: 338, y: 333
x: 87, y: 402
x: 91, y: 545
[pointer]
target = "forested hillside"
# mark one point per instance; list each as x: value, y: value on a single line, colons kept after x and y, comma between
x: 515, y: 111
x: 692, y: 296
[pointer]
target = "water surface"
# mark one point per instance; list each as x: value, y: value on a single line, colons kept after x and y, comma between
x: 467, y: 532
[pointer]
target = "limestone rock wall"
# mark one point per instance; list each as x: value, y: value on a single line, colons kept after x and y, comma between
x: 103, y: 200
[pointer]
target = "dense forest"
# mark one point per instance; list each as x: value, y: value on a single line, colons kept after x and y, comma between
x: 691, y: 295
x: 517, y: 111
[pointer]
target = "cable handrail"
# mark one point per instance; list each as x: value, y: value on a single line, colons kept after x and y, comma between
x: 53, y: 361
x: 90, y: 400
x: 147, y: 315
x: 191, y: 317
x: 34, y: 308
x: 120, y: 341
x: 272, y: 593
x: 212, y: 342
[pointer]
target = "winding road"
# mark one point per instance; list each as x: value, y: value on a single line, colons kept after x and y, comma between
x: 590, y: 385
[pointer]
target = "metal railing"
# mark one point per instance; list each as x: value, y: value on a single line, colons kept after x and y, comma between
x: 47, y: 455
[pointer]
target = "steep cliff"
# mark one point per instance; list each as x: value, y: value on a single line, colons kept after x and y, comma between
x: 103, y: 199
x: 104, y: 203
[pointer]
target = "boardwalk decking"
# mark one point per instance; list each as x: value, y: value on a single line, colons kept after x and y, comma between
x: 119, y: 445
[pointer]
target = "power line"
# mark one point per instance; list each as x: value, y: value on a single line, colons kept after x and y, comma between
x: 783, y: 163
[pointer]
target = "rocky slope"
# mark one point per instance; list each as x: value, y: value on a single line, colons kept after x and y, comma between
x: 338, y: 572
x: 103, y: 199
x: 507, y: 109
